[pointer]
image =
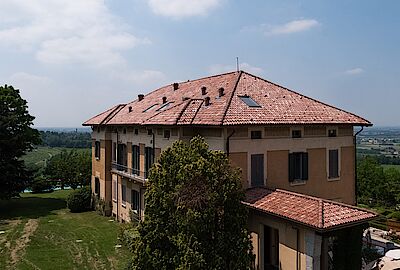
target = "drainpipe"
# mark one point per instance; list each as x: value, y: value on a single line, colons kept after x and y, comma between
x: 227, y: 142
x: 116, y: 160
x: 154, y: 146
x: 355, y: 161
x: 297, y: 248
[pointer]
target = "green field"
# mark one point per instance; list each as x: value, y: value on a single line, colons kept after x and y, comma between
x: 38, y: 232
x: 40, y: 155
x: 385, y: 166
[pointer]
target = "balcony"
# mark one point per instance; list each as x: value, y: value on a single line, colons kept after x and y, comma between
x: 128, y: 172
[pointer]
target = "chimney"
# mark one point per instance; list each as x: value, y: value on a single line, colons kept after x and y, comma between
x: 164, y: 100
x: 176, y: 86
x: 130, y: 108
x: 204, y: 90
x: 221, y: 92
x: 140, y: 97
x: 207, y: 101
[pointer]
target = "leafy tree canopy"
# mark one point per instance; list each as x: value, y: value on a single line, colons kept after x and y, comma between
x: 72, y: 168
x: 376, y: 186
x: 194, y: 216
x: 16, y: 137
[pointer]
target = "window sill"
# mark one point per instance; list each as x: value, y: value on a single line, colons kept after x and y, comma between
x: 123, y: 205
x: 298, y: 183
x: 97, y: 158
x: 333, y: 179
x: 114, y: 200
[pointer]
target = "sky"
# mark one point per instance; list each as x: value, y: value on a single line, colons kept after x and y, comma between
x: 74, y: 59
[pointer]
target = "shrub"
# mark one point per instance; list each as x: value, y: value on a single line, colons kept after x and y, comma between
x: 80, y: 200
x: 40, y: 184
x: 395, y: 215
x: 100, y: 206
x: 128, y: 234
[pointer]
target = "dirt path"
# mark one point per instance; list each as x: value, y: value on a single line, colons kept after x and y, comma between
x: 18, y: 250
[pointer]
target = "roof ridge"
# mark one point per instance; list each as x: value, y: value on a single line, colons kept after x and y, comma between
x: 297, y: 93
x: 183, y: 110
x: 228, y: 105
x: 321, y: 215
x: 197, y: 111
x: 116, y: 109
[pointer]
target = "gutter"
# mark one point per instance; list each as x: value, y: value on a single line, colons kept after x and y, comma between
x: 227, y: 142
x: 355, y: 162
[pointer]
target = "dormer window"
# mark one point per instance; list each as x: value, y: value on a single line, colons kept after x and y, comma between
x: 249, y: 101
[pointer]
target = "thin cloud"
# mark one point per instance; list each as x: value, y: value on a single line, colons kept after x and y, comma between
x: 182, y: 8
x: 291, y: 27
x: 354, y: 71
x: 64, y: 31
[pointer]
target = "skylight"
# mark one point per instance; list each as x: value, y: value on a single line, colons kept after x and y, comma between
x: 164, y: 106
x: 151, y: 107
x: 249, y: 101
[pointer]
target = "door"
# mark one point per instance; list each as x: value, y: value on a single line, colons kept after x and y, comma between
x: 257, y: 170
x: 271, y: 248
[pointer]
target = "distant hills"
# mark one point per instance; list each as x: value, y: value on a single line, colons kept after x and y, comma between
x: 66, y: 129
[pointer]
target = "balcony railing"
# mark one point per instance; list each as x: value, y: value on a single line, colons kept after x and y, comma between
x: 129, y: 172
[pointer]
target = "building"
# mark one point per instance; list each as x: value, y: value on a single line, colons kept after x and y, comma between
x: 297, y: 157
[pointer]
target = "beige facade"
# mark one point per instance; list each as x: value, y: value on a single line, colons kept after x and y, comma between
x: 298, y: 246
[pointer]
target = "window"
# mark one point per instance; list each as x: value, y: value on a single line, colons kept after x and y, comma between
x: 136, y: 131
x: 122, y: 157
x: 257, y: 170
x: 256, y: 134
x: 97, y: 150
x: 332, y: 133
x: 151, y: 107
x: 249, y: 101
x: 135, y: 200
x: 149, y: 132
x: 96, y: 186
x: 333, y: 164
x: 296, y: 133
x: 123, y: 195
x: 114, y: 149
x: 149, y: 159
x: 114, y: 190
x: 298, y: 166
x: 167, y: 133
x: 135, y: 159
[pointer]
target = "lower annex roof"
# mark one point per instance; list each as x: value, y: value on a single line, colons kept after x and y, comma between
x: 314, y: 212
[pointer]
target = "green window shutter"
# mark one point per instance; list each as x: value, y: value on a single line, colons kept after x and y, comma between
x: 291, y: 167
x: 304, y: 164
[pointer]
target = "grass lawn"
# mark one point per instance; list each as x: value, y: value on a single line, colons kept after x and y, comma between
x: 385, y: 166
x: 38, y: 156
x: 38, y: 232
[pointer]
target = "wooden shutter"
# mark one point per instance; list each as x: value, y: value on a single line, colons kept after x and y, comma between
x: 257, y: 170
x: 333, y: 163
x: 291, y: 167
x: 304, y: 164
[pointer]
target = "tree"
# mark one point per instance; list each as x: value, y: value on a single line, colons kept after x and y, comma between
x: 72, y: 168
x: 16, y: 137
x: 194, y: 215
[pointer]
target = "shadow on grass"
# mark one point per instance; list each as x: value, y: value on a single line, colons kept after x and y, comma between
x: 29, y: 207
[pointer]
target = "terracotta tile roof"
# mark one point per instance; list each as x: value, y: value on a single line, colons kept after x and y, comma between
x: 278, y: 105
x: 103, y: 117
x: 310, y: 211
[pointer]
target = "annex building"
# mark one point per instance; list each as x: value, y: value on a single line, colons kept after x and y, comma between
x: 296, y: 154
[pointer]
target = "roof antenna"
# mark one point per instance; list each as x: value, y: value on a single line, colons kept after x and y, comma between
x: 237, y: 64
